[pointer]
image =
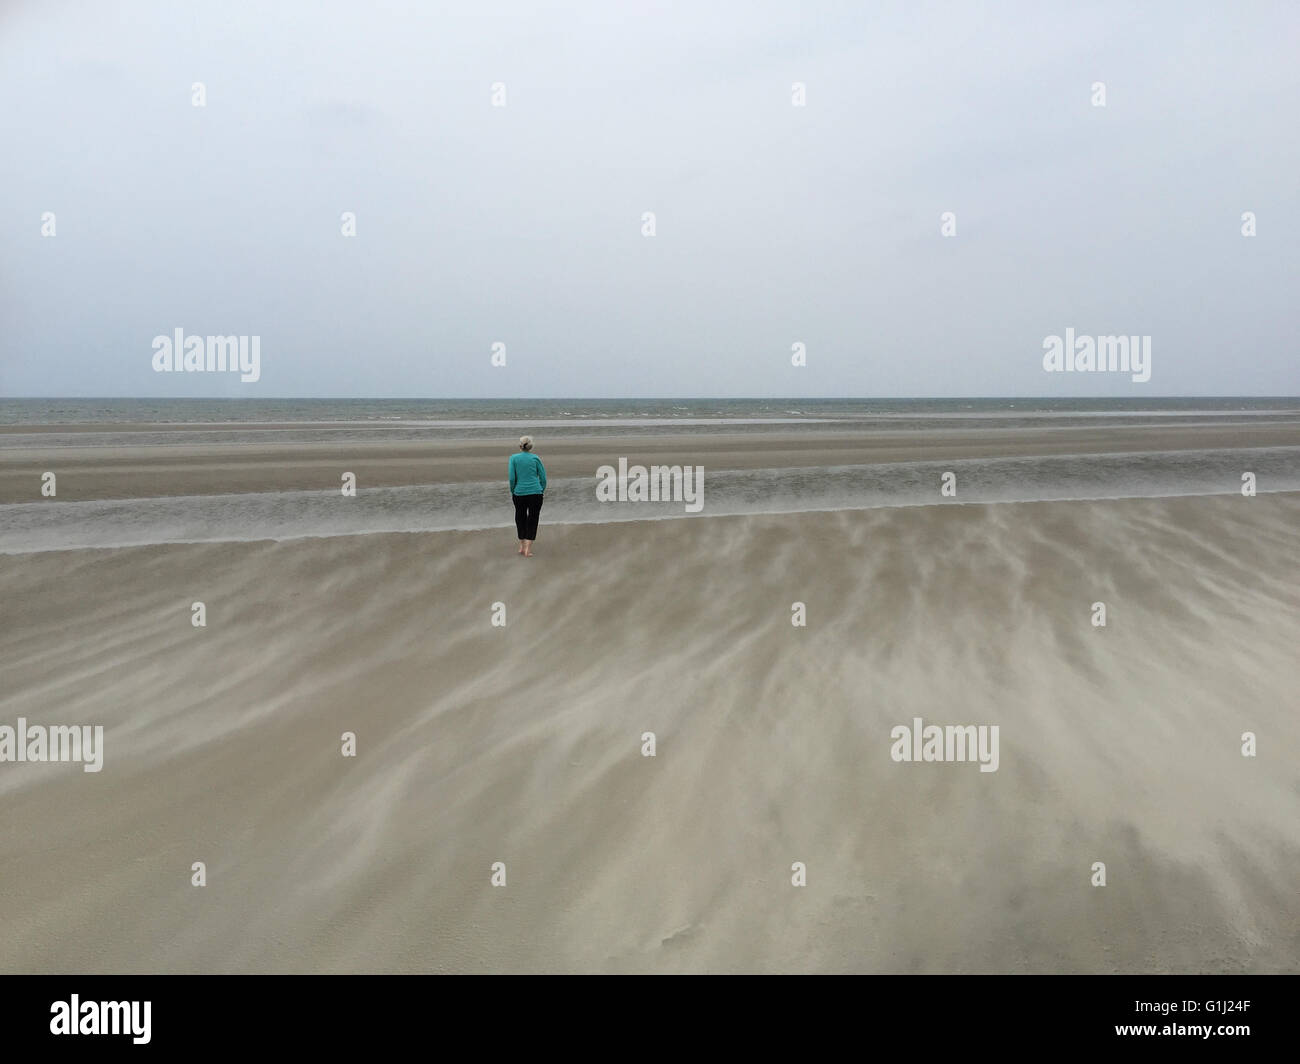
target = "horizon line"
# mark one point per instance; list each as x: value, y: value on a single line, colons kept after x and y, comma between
x: 634, y: 398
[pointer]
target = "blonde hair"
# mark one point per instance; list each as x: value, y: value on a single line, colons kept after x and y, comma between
x: 525, y: 443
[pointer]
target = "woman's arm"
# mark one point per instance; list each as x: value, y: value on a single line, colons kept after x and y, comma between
x: 541, y: 473
x: 511, y: 466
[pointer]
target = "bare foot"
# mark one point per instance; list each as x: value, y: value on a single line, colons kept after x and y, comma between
x: 520, y: 550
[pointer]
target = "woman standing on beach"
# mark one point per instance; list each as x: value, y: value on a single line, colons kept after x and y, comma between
x: 527, y: 482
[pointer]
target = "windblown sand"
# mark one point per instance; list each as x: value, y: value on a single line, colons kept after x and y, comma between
x: 522, y: 744
x: 137, y: 470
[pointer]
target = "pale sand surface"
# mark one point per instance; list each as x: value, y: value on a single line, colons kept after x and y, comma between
x: 126, y: 471
x: 479, y: 744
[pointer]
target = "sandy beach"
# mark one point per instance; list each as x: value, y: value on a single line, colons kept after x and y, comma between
x: 523, y: 744
x: 118, y: 468
x: 649, y: 489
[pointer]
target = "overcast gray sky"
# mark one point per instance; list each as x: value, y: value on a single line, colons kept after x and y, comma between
x: 775, y: 224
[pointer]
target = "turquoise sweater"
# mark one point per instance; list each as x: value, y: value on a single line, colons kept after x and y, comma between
x: 527, y: 474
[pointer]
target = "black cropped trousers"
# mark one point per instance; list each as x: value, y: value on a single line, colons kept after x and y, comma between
x: 527, y: 510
